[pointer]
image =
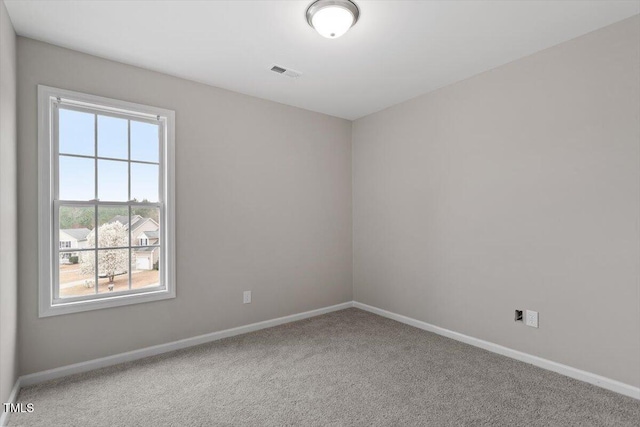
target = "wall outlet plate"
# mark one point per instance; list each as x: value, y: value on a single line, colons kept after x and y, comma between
x: 246, y: 297
x: 531, y: 318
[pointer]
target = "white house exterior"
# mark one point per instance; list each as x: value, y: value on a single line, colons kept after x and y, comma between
x: 144, y: 231
x: 72, y: 238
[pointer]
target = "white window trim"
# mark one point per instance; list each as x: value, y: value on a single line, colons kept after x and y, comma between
x: 46, y: 98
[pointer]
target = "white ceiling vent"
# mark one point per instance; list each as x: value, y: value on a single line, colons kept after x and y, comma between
x: 286, y: 71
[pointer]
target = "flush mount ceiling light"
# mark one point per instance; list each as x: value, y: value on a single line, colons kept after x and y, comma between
x: 332, y: 18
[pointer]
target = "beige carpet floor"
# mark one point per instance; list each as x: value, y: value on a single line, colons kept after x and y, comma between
x: 341, y: 369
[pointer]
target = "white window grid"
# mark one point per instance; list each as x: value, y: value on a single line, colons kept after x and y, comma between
x: 51, y: 100
x: 96, y: 203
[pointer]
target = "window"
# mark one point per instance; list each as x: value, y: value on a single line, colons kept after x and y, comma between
x: 106, y: 178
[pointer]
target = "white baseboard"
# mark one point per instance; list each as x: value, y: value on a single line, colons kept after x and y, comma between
x: 90, y: 365
x: 13, y: 396
x: 588, y: 377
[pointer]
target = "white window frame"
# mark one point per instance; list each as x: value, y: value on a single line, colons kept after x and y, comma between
x: 48, y: 100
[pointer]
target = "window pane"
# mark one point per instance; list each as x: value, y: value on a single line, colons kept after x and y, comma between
x: 113, y: 270
x: 144, y: 182
x: 78, y: 279
x: 113, y: 181
x: 145, y: 142
x: 76, y: 132
x: 146, y: 265
x: 113, y: 137
x: 114, y: 226
x: 76, y: 224
x: 145, y: 226
x: 77, y: 178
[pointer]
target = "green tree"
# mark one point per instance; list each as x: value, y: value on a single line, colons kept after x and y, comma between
x: 76, y: 217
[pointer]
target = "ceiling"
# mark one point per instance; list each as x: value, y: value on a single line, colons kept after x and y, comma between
x: 396, y: 51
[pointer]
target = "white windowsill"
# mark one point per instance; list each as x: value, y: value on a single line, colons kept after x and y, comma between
x: 106, y: 302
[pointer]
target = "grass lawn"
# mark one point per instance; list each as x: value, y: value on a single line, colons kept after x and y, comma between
x: 71, y: 273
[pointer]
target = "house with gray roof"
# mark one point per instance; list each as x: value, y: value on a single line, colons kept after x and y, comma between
x: 72, y: 238
x: 144, y: 232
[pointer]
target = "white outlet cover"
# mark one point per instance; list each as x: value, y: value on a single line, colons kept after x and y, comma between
x: 246, y: 297
x: 531, y: 318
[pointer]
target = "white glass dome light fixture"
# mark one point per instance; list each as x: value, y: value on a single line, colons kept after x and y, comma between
x: 332, y: 18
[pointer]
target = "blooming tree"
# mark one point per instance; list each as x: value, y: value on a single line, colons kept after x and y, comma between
x: 110, y: 262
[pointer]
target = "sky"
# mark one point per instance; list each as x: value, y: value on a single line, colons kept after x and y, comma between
x: 77, y: 175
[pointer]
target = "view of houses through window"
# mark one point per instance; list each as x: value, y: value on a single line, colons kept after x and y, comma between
x: 77, y: 267
x: 109, y: 207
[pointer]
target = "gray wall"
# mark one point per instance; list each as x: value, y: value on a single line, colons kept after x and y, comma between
x: 517, y: 188
x: 263, y: 204
x: 8, y: 209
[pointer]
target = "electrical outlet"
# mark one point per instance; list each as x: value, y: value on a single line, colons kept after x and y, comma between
x: 518, y: 316
x: 532, y: 319
x: 246, y: 297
